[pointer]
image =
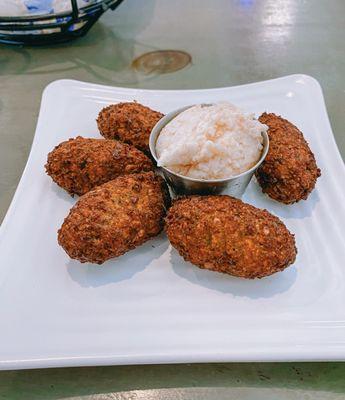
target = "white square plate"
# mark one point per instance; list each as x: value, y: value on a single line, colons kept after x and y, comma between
x: 149, y: 306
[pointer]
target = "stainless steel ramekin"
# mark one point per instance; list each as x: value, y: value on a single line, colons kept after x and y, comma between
x: 183, y: 185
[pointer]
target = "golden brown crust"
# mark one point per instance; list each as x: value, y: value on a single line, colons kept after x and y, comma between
x: 78, y: 165
x: 115, y: 218
x: 129, y: 122
x: 223, y: 234
x: 289, y: 172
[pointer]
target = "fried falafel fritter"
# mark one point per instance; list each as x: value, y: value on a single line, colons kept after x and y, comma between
x: 129, y: 122
x: 78, y: 165
x: 223, y: 234
x: 289, y: 172
x: 115, y: 218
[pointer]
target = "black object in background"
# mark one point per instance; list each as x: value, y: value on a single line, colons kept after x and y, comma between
x: 53, y: 28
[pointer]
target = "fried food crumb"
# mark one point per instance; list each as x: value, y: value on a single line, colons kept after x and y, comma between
x: 289, y: 171
x: 78, y: 165
x: 223, y: 234
x: 106, y: 222
x: 129, y: 122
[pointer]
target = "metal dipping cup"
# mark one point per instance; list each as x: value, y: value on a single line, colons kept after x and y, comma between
x: 182, y: 185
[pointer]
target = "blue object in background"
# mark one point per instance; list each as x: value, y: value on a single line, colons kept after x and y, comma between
x: 246, y: 3
x: 39, y: 6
